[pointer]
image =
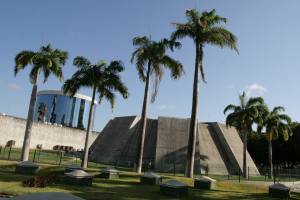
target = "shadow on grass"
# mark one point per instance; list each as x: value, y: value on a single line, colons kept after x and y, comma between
x: 7, y: 168
x: 137, y: 191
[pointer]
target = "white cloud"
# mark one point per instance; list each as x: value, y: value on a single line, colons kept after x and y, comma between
x: 14, y: 86
x: 255, y: 90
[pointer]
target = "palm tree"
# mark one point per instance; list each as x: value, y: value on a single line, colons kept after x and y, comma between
x: 104, y: 79
x: 150, y: 58
x: 47, y: 61
x: 275, y: 124
x: 242, y: 117
x: 203, y: 28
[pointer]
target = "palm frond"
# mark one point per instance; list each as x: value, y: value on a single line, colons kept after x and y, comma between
x: 23, y: 59
x: 141, y: 41
x: 33, y: 75
x: 173, y: 65
x: 182, y: 31
x: 230, y: 107
x: 211, y: 18
x: 254, y: 101
x: 81, y: 62
x: 102, y: 76
x: 220, y: 36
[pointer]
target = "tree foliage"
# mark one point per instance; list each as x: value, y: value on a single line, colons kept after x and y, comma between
x: 153, y: 55
x: 47, y: 61
x: 285, y: 152
x: 104, y: 77
x: 205, y: 28
x: 244, y: 115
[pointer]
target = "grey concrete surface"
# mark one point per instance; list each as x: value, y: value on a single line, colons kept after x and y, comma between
x: 213, y: 157
x: 234, y: 148
x: 218, y: 149
x: 13, y: 128
x: 46, y: 196
x: 109, y: 147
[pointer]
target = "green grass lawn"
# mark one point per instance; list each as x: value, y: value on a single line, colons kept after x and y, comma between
x: 45, y: 157
x: 127, y: 187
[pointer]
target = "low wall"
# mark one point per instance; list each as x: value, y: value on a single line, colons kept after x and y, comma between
x: 13, y: 128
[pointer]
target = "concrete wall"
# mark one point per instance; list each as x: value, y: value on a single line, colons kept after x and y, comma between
x: 218, y: 149
x: 212, y: 154
x: 171, y: 146
x: 109, y: 147
x: 12, y: 128
x: 234, y: 148
x: 118, y: 142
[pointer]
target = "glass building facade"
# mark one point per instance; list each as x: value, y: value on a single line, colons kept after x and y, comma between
x: 56, y: 108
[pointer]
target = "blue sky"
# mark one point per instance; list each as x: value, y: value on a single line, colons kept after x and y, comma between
x: 268, y: 63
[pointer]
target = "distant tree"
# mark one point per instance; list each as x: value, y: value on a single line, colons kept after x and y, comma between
x: 203, y: 28
x: 242, y: 117
x: 47, y: 61
x: 151, y: 58
x: 275, y: 124
x: 285, y: 152
x: 104, y: 79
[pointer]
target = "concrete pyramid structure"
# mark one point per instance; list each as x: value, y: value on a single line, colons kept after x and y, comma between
x: 218, y: 148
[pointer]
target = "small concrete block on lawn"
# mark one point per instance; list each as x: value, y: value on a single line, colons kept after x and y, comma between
x: 71, y: 168
x: 205, y: 182
x: 174, y: 188
x: 150, y: 178
x: 78, y: 177
x: 109, y: 173
x: 279, y: 191
x: 27, y: 167
x: 47, y: 196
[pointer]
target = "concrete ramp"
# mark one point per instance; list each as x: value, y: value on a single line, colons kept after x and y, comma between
x: 233, y: 146
x: 108, y: 147
x: 128, y: 154
x: 213, y: 159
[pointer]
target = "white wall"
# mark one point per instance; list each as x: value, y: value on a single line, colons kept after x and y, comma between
x: 12, y: 128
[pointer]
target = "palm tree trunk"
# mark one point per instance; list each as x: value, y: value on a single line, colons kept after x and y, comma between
x: 29, y: 122
x: 84, y: 161
x: 143, y: 125
x: 189, y: 169
x: 270, y: 155
x: 245, y: 141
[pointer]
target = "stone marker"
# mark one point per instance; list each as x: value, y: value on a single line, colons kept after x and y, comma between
x: 47, y: 196
x: 109, y: 173
x: 150, y: 178
x: 174, y: 188
x: 78, y: 177
x: 278, y: 190
x: 205, y: 182
x: 71, y: 168
x: 27, y: 167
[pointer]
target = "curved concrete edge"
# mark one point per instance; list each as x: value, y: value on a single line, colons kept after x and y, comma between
x: 59, y: 92
x: 47, y: 196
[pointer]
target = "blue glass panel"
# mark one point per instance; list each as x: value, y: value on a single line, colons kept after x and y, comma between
x: 64, y: 110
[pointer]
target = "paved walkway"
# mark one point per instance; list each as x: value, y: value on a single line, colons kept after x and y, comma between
x: 45, y: 196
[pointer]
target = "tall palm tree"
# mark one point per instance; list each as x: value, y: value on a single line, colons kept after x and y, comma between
x: 242, y: 117
x: 203, y: 28
x: 104, y: 79
x: 150, y: 58
x: 275, y: 124
x: 47, y: 61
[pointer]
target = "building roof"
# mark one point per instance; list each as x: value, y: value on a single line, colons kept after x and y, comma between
x: 59, y: 92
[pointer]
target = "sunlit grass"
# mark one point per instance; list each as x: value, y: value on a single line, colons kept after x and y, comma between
x: 127, y: 187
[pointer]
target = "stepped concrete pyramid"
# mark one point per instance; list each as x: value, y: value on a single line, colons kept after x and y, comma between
x: 219, y: 150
